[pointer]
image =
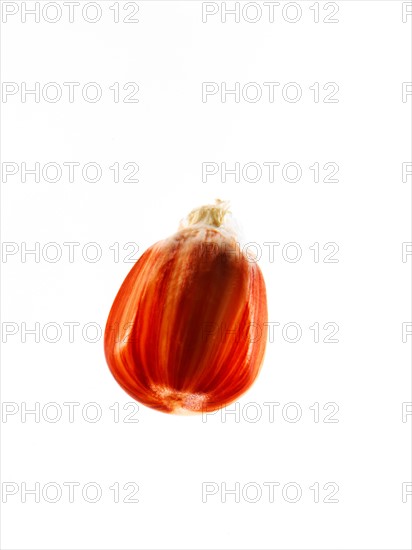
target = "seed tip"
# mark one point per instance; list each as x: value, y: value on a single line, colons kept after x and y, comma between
x: 209, y: 214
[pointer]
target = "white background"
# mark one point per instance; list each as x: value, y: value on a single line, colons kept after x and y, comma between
x: 169, y: 133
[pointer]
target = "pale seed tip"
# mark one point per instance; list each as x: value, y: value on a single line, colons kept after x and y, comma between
x: 209, y: 214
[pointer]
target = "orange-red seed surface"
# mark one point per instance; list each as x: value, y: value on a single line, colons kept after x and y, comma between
x: 187, y: 330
